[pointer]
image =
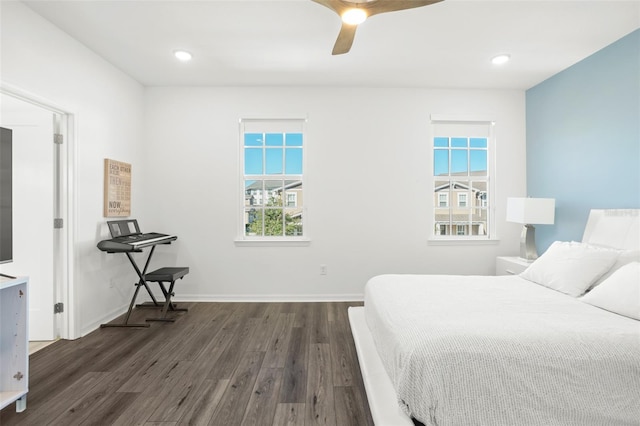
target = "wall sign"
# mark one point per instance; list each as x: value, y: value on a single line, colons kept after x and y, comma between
x: 117, y: 188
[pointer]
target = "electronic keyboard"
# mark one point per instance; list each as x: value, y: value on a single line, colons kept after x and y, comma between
x: 135, y: 242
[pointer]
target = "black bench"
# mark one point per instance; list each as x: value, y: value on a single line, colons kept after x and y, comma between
x: 162, y: 276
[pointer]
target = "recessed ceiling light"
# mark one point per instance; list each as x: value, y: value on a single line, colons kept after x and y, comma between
x: 182, y: 55
x: 501, y: 59
x: 354, y: 16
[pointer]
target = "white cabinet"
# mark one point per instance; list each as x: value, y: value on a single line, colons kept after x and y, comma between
x: 14, y: 342
x: 510, y: 265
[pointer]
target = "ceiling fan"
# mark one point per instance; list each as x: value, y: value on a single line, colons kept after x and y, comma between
x: 355, y: 12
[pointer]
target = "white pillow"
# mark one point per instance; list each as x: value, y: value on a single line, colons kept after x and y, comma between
x: 571, y: 267
x: 626, y: 256
x: 620, y: 293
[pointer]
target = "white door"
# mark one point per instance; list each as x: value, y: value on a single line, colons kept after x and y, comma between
x: 33, y: 208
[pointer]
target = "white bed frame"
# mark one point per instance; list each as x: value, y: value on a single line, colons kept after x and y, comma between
x: 617, y: 228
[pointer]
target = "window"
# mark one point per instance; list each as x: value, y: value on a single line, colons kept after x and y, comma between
x: 461, y: 171
x: 443, y: 199
x: 462, y: 199
x: 272, y: 184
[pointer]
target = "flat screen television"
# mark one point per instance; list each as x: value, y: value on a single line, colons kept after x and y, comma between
x: 6, y: 196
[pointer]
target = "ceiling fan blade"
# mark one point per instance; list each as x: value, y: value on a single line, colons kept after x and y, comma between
x: 338, y: 6
x: 382, y: 6
x: 347, y: 32
x: 345, y: 39
x: 372, y: 7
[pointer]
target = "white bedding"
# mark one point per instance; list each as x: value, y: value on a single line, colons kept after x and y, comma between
x: 503, y: 351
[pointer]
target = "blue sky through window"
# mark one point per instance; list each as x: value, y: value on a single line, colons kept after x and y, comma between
x: 273, y: 153
x: 467, y: 155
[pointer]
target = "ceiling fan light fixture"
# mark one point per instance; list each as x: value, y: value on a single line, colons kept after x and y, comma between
x: 182, y: 55
x: 501, y: 59
x: 354, y: 16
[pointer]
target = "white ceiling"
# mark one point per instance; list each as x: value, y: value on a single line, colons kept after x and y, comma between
x: 289, y: 42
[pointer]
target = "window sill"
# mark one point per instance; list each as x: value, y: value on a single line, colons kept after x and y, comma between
x: 273, y: 242
x: 462, y: 241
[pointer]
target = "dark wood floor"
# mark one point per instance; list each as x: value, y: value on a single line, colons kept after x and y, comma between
x: 218, y: 364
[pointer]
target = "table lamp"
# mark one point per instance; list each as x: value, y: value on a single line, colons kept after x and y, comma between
x: 529, y: 212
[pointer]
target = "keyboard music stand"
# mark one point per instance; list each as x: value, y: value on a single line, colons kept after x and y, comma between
x: 140, y: 283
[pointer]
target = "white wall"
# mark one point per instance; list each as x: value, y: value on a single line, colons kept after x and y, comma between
x: 367, y: 187
x: 367, y: 184
x: 108, y: 107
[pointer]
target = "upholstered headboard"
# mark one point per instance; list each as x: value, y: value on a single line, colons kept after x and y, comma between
x: 617, y: 228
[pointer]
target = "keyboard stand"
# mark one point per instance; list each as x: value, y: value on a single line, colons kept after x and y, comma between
x: 140, y: 283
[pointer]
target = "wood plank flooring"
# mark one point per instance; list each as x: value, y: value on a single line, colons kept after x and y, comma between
x: 273, y: 364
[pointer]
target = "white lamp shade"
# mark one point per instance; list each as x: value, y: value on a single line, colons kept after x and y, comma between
x: 535, y: 211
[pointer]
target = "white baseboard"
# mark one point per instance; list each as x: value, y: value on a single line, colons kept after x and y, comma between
x: 228, y: 298
x: 269, y: 298
x: 113, y: 314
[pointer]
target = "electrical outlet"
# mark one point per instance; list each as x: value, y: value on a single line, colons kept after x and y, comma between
x: 323, y: 269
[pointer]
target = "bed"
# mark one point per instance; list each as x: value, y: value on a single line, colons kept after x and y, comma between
x: 556, y: 345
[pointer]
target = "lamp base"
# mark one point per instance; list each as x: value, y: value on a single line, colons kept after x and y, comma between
x: 528, y: 250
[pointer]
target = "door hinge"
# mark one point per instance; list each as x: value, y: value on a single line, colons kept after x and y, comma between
x: 58, y: 138
x: 58, y: 223
x: 58, y: 308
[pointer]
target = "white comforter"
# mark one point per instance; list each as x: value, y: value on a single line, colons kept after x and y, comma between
x: 464, y: 350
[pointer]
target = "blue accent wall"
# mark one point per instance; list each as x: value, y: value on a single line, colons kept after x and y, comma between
x: 583, y: 138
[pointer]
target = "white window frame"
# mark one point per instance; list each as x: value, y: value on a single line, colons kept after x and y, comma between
x: 472, y: 120
x: 268, y: 125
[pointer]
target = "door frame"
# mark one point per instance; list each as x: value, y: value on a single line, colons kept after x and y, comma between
x: 66, y: 324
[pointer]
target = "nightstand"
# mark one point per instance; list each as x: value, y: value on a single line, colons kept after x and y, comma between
x: 510, y: 265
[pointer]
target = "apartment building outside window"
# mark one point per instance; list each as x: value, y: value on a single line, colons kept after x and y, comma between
x: 462, y: 179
